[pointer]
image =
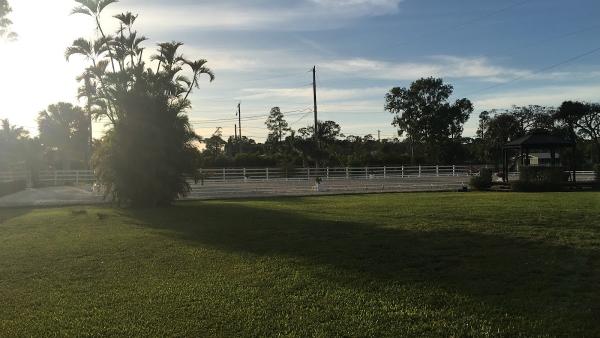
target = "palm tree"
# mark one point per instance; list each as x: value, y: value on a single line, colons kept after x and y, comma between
x: 91, y: 50
x: 147, y: 110
x: 94, y: 9
x: 167, y: 55
x: 12, y: 144
x: 5, y: 22
x: 10, y: 132
x: 198, y: 68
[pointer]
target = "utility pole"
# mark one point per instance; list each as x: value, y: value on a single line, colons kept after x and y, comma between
x: 235, y: 126
x: 315, y: 104
x: 239, y: 114
x: 379, y: 135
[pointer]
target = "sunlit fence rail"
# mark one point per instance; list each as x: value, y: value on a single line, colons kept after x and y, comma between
x: 251, y: 182
x: 333, y: 180
x: 337, y: 173
x: 50, y: 177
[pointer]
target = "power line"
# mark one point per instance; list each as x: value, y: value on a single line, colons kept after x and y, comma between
x: 541, y: 70
x: 249, y: 118
x: 466, y: 23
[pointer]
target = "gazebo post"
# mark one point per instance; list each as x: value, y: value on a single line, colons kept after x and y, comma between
x: 574, y: 163
x: 505, y: 164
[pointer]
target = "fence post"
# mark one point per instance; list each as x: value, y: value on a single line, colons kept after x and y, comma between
x: 419, y: 170
x: 308, y: 174
x: 384, y: 172
x: 454, y: 170
x: 402, y: 172
x: 267, y: 171
x: 347, y: 173
x: 437, y: 171
x: 244, y: 174
x: 327, y: 172
x: 224, y: 174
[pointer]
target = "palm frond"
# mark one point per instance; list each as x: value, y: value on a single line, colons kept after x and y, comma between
x: 80, y: 46
x: 81, y: 10
x: 126, y: 19
x: 184, y: 79
x: 103, y: 3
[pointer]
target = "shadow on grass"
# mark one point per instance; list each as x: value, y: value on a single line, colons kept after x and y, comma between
x: 534, y: 279
x: 6, y: 214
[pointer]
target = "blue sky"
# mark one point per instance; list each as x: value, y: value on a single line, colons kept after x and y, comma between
x: 262, y: 50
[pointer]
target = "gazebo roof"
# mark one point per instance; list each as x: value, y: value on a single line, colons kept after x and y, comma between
x: 538, y: 140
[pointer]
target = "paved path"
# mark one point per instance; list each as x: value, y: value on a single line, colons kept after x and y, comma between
x: 52, y: 196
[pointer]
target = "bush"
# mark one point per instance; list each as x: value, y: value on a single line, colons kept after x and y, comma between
x: 539, y: 179
x: 483, y: 181
x: 7, y: 188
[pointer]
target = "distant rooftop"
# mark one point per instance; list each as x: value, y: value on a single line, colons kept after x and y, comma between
x: 542, y: 140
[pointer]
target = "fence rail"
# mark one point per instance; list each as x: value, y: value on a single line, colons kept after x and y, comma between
x: 333, y: 173
x: 65, y: 177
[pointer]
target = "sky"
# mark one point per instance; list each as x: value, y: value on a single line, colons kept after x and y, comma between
x: 495, y: 53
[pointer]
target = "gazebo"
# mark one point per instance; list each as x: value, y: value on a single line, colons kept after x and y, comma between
x: 536, y: 144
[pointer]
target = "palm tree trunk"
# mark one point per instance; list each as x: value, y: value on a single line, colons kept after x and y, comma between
x: 191, y: 87
x: 107, y: 45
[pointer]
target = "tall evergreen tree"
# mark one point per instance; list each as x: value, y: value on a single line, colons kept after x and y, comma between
x: 277, y: 125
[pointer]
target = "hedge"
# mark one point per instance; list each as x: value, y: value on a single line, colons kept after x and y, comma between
x: 483, y: 181
x: 539, y: 179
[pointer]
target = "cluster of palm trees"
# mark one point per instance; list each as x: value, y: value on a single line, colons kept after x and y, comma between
x: 149, y: 148
x: 5, y: 22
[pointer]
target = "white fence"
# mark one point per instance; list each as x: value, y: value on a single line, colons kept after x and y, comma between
x: 337, y: 173
x: 63, y: 177
x: 51, y: 177
x: 248, y: 182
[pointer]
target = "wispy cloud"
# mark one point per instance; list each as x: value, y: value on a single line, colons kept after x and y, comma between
x: 441, y: 66
x: 324, y: 94
x: 263, y: 15
x: 546, y: 95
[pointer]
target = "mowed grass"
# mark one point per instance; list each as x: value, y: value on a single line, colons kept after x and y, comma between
x: 498, y: 264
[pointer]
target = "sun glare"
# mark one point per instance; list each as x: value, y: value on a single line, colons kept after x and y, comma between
x: 33, y: 70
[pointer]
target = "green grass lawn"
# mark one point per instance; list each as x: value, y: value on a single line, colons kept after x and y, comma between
x: 379, y: 265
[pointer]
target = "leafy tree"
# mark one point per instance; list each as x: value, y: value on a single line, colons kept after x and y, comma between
x: 424, y: 114
x: 495, y: 131
x: 12, y: 145
x: 277, y: 125
x: 534, y: 118
x: 64, y: 131
x: 328, y: 131
x: 150, y: 149
x: 215, y: 143
x: 582, y: 118
x: 5, y: 23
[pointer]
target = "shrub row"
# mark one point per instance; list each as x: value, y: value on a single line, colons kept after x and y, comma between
x: 7, y: 188
x: 540, y: 179
x: 483, y: 181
